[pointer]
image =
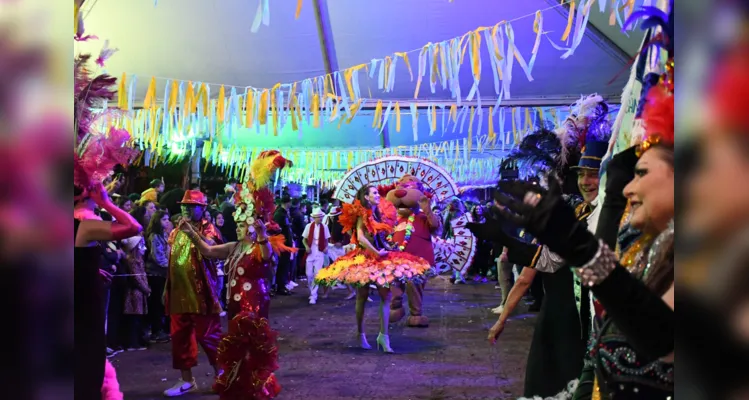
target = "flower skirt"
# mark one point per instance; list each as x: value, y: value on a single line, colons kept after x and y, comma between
x: 360, y: 268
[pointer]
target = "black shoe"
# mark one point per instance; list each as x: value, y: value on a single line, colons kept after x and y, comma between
x: 283, y: 292
x: 160, y: 338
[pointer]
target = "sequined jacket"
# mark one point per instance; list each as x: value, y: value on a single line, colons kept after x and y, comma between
x: 191, y: 280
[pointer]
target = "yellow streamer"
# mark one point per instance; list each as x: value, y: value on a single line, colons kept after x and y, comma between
x: 418, y: 81
x: 150, y: 101
x: 454, y: 113
x: 528, y: 120
x: 476, y: 44
x: 514, y: 127
x: 298, y: 9
x: 388, y: 62
x: 316, y: 110
x: 377, y: 121
x: 122, y: 94
x: 567, y: 30
x: 496, y: 49
x: 221, y: 104
x: 187, y: 106
x: 173, y: 94
x: 492, y: 134
x: 435, y: 65
x: 262, y: 112
x: 397, y: 117
x: 249, y: 108
x: 434, y: 118
x: 203, y: 98
x: 404, y: 56
x: 292, y: 103
x: 274, y: 107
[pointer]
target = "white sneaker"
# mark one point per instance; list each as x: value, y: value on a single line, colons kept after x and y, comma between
x: 351, y: 296
x: 293, y: 284
x: 181, y: 387
x: 222, y: 314
x: 369, y: 299
x: 498, y: 310
x: 313, y: 301
x: 289, y: 286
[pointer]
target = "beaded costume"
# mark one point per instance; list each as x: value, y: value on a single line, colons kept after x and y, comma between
x: 360, y: 267
x: 247, y: 354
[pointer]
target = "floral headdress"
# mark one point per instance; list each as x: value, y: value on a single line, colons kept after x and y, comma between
x: 588, y: 120
x: 254, y: 199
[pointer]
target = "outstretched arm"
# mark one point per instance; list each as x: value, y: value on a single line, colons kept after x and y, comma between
x: 220, y: 251
x: 519, y: 289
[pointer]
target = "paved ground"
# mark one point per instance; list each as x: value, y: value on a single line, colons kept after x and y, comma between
x: 449, y: 360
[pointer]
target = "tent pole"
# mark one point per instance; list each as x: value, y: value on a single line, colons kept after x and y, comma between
x: 325, y: 35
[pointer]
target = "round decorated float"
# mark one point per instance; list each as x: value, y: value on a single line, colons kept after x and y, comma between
x: 453, y: 253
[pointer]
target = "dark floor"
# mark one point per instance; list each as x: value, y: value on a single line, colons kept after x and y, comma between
x: 449, y: 360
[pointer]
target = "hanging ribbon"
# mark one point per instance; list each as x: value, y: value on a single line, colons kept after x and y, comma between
x: 415, y: 121
x: 262, y: 15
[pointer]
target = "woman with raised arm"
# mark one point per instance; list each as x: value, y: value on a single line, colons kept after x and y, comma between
x: 371, y: 262
x: 89, y: 231
x: 248, y: 262
x: 632, y: 340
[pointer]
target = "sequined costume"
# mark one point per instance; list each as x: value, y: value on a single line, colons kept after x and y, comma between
x: 191, y: 301
x: 248, y: 355
x: 361, y: 267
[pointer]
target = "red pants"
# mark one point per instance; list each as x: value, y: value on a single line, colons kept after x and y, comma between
x: 187, y: 331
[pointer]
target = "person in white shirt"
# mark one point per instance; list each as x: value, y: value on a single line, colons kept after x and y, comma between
x: 315, y: 239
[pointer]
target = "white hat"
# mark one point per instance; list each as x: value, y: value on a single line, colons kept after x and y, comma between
x: 130, y: 243
x: 335, y: 210
x: 317, y: 212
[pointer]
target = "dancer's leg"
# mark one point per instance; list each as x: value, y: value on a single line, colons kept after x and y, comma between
x: 361, y: 300
x: 385, y: 298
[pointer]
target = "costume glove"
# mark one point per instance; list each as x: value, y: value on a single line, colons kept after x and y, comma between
x: 619, y: 172
x: 517, y: 252
x: 551, y: 220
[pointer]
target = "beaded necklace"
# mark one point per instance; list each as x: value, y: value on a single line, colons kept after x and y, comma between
x: 409, y: 230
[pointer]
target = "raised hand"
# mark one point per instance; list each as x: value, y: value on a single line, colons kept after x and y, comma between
x: 99, y: 195
x: 546, y: 215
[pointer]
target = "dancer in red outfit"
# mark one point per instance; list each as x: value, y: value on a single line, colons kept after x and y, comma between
x: 247, y: 354
x: 190, y: 296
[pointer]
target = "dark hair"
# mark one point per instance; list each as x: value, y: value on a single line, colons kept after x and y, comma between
x: 295, y: 202
x: 122, y: 200
x: 233, y: 181
x: 133, y: 197
x: 139, y: 213
x: 362, y: 194
x: 156, y: 183
x: 154, y: 226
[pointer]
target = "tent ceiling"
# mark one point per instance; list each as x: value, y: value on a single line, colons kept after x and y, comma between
x: 210, y: 41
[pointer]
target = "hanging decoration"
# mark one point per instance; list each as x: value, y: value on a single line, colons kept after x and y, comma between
x: 189, y: 114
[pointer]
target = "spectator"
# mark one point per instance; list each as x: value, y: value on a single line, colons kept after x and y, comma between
x: 151, y: 194
x: 315, y: 238
x: 157, y: 265
x: 281, y: 217
x: 136, y: 294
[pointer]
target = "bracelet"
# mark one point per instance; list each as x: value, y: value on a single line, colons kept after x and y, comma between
x: 599, y: 267
x: 264, y: 241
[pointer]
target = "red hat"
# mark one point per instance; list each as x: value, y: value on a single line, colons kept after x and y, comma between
x: 194, y: 197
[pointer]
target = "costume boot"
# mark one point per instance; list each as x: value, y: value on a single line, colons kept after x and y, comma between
x: 415, y: 293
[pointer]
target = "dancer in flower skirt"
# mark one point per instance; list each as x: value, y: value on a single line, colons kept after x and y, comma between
x: 371, y: 262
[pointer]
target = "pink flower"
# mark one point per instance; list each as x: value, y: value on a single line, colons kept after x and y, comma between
x: 381, y: 281
x: 398, y: 273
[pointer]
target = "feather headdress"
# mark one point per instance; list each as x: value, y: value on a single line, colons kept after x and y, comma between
x: 254, y: 199
x: 588, y: 119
